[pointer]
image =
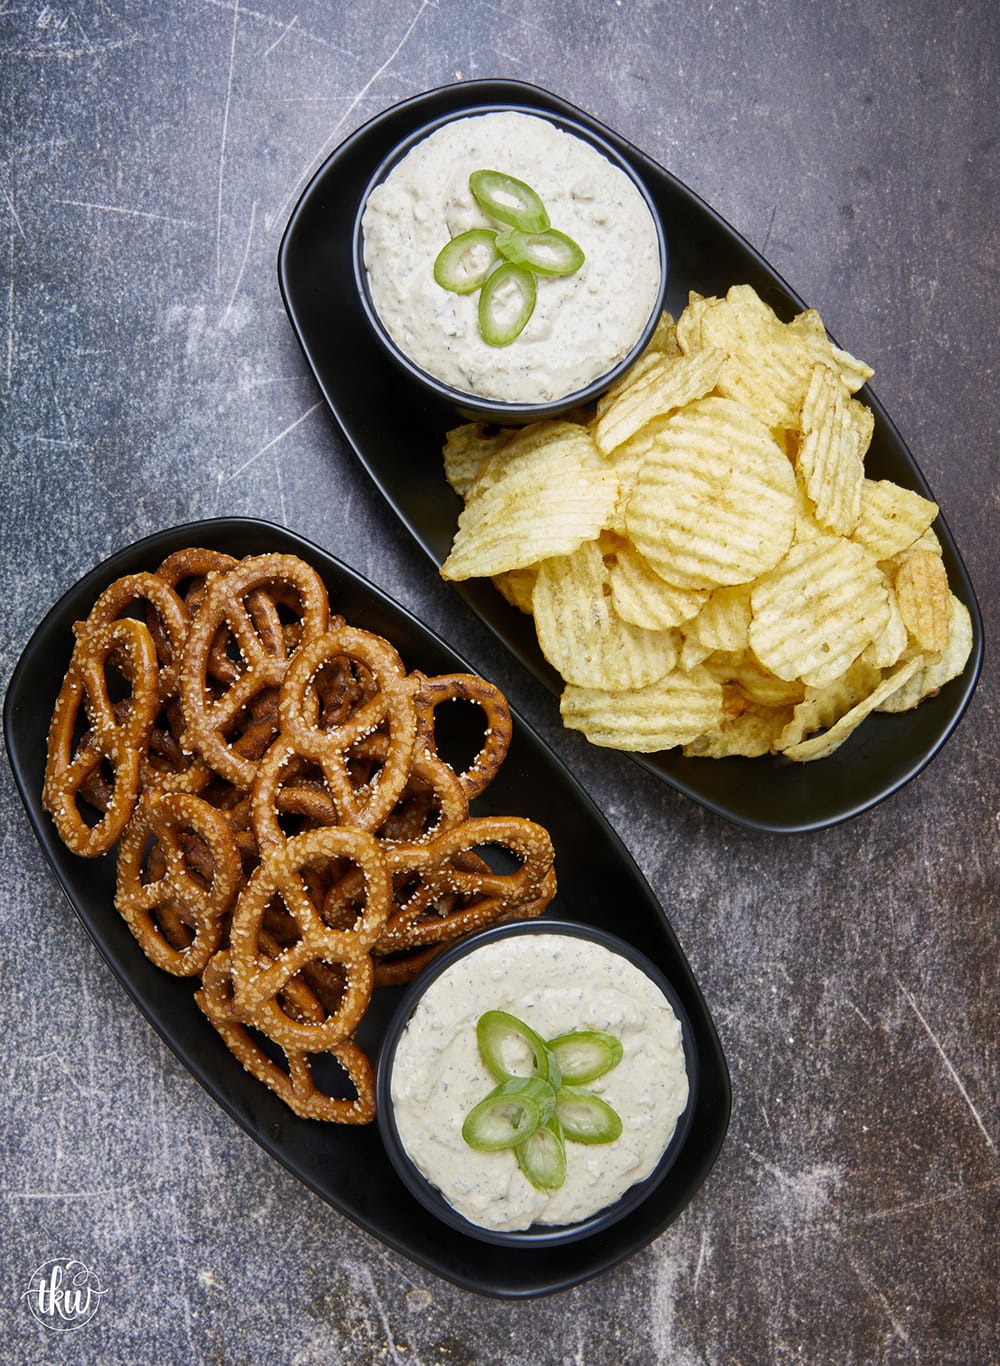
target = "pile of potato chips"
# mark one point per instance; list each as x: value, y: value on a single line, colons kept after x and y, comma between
x: 705, y: 561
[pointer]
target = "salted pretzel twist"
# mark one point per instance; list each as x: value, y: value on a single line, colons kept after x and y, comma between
x: 116, y: 736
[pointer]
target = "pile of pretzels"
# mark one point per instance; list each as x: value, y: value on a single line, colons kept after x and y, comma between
x: 286, y: 828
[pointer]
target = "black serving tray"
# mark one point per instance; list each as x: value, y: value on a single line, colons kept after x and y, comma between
x: 396, y: 430
x: 599, y: 885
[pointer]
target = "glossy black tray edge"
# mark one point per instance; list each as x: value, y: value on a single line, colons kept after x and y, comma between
x: 302, y: 1146
x: 920, y: 740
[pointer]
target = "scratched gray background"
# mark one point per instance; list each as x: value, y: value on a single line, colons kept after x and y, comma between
x: 151, y: 153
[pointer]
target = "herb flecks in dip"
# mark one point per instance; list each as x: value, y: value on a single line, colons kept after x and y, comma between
x: 582, y: 324
x: 554, y: 983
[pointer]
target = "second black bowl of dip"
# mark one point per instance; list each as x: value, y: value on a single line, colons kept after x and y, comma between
x: 539, y: 1235
x: 529, y: 348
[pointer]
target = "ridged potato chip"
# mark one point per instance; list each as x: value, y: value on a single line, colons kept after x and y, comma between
x: 642, y: 597
x: 935, y: 672
x: 663, y: 342
x: 816, y: 611
x: 724, y: 622
x: 664, y: 338
x: 627, y: 460
x: 748, y: 733
x: 669, y: 383
x: 888, y: 648
x: 891, y: 518
x: 582, y: 635
x: 466, y: 451
x: 821, y: 746
x: 715, y: 501
x: 688, y: 329
x: 744, y: 672
x: 547, y: 493
x: 830, y: 457
x: 764, y: 369
x: 517, y: 586
x: 808, y: 331
x: 672, y: 711
x: 924, y: 599
x: 821, y: 707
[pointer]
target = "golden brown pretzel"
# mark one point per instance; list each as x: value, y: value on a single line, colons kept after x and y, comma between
x: 386, y: 708
x: 295, y: 1086
x: 116, y: 737
x: 432, y: 692
x: 167, y: 619
x: 445, y: 893
x: 228, y: 603
x: 259, y: 980
x: 195, y: 885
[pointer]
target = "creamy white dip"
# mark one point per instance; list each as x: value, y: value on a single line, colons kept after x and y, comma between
x: 554, y: 983
x: 582, y: 324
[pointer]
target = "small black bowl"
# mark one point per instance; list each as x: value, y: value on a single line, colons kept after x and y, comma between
x: 539, y: 1235
x: 474, y: 406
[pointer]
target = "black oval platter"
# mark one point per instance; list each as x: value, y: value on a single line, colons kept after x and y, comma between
x: 397, y: 430
x: 599, y: 884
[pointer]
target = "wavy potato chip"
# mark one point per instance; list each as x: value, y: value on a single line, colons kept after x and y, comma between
x: 466, y: 451
x: 715, y: 499
x: 517, y: 586
x: 724, y: 622
x: 627, y: 460
x: 891, y: 518
x: 829, y: 459
x: 816, y: 611
x: 743, y: 672
x: 924, y: 599
x: 888, y: 647
x: 764, y: 369
x: 663, y: 342
x: 749, y: 734
x: 821, y: 707
x: 688, y: 329
x: 672, y: 711
x: 643, y: 598
x: 821, y: 746
x: 543, y: 494
x: 935, y: 672
x: 582, y: 635
x: 809, y: 332
x: 669, y: 383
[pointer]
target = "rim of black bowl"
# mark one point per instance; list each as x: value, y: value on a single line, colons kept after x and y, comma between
x: 463, y: 399
x: 539, y: 1235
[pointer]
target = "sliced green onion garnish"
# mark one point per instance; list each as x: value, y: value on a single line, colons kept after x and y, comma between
x: 510, y: 1048
x: 585, y: 1118
x: 546, y: 253
x: 542, y: 1157
x: 553, y: 1072
x: 464, y: 263
x: 585, y: 1055
x: 508, y: 1115
x: 509, y: 200
x: 506, y: 302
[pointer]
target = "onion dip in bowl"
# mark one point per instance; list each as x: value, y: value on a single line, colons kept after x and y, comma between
x: 585, y: 327
x: 556, y: 977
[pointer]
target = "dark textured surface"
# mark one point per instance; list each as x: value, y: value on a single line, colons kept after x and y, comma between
x: 151, y: 155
